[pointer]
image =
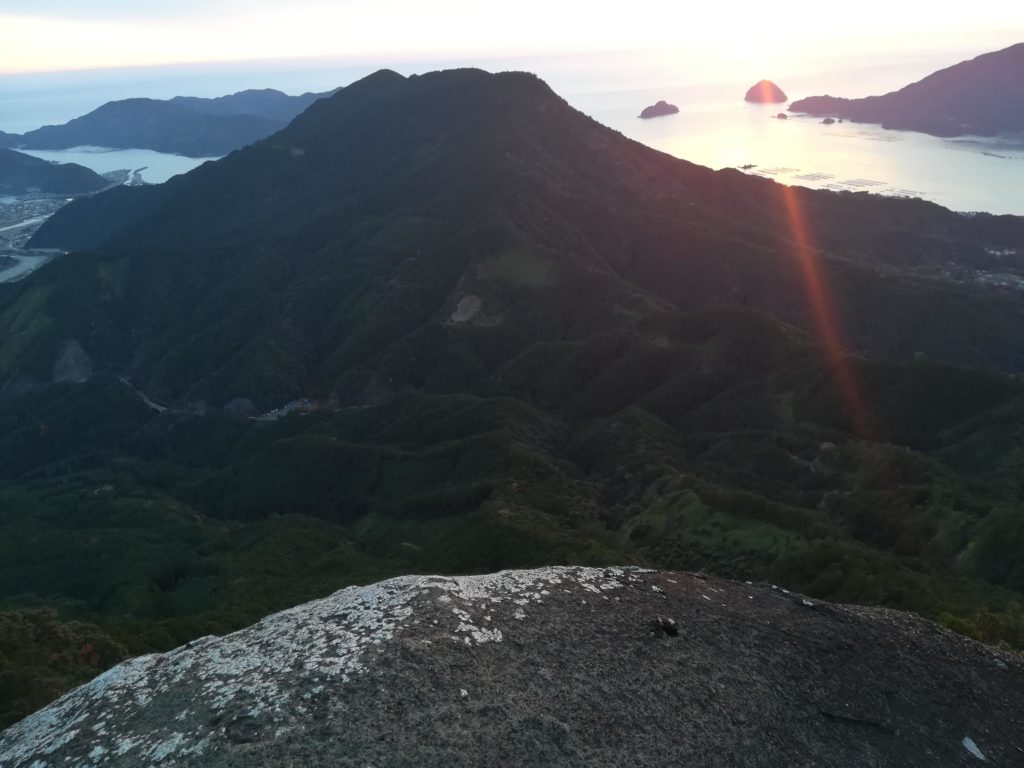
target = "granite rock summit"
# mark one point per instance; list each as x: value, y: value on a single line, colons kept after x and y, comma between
x: 557, y: 666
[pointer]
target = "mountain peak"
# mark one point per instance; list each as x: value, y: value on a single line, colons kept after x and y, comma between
x: 446, y: 83
x: 378, y: 78
x: 364, y: 134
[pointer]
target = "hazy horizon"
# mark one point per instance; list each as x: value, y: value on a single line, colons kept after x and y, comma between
x: 63, y: 36
x: 62, y: 60
x: 32, y: 99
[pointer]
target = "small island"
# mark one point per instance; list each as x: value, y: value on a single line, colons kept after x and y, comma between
x: 766, y: 92
x: 660, y: 109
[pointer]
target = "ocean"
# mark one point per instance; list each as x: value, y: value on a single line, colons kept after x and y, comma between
x: 714, y: 127
x: 720, y: 130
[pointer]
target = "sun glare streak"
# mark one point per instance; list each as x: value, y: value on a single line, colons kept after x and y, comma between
x: 824, y: 315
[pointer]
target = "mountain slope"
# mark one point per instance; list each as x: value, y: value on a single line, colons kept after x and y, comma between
x: 565, y: 667
x: 21, y: 173
x: 983, y: 96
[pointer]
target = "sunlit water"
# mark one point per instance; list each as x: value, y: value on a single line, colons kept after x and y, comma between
x: 720, y: 130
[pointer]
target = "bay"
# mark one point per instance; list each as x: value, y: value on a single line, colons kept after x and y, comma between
x: 157, y: 167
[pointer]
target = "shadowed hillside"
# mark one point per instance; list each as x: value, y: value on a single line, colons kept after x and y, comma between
x: 469, y: 181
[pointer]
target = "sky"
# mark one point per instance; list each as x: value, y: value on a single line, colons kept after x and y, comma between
x: 61, y: 35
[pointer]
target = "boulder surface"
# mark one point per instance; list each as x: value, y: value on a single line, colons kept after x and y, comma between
x: 554, y: 667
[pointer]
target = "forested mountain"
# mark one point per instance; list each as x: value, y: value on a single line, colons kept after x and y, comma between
x: 983, y: 97
x: 508, y: 168
x: 21, y: 173
x: 191, y: 126
x: 152, y: 124
x: 508, y: 336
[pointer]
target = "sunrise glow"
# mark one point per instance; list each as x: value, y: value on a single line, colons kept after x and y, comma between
x: 62, y: 35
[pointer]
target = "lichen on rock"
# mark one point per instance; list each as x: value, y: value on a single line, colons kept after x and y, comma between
x: 558, y: 666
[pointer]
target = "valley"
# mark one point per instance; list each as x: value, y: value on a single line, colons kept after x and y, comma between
x: 20, y: 217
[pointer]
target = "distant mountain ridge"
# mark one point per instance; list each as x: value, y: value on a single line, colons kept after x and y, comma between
x: 267, y: 102
x: 21, y: 173
x: 183, y: 125
x: 983, y: 96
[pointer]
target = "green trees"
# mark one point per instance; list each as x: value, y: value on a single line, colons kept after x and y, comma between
x: 41, y: 657
x: 997, y: 554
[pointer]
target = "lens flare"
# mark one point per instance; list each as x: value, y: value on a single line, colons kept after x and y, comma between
x: 824, y: 315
